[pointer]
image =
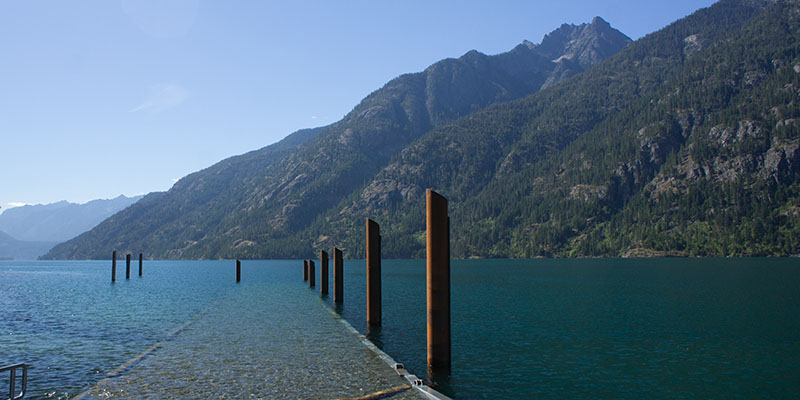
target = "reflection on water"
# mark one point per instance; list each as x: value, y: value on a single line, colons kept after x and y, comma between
x: 374, y: 335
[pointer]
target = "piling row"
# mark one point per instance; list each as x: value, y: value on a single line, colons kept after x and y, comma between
x: 309, y: 274
x: 437, y: 277
x: 127, y: 265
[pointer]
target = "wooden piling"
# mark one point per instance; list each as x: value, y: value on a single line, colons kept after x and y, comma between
x: 323, y: 272
x: 373, y: 273
x: 238, y: 271
x: 338, y: 276
x: 305, y: 270
x: 312, y: 275
x: 114, y: 266
x: 140, y: 264
x: 438, y: 277
x: 128, y: 266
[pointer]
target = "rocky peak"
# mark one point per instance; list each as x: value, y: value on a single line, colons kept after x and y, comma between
x: 529, y: 44
x: 585, y: 44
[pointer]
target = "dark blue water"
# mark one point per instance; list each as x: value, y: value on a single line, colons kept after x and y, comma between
x: 664, y: 328
x: 642, y: 328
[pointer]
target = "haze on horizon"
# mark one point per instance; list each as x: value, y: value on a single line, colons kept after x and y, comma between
x: 102, y: 98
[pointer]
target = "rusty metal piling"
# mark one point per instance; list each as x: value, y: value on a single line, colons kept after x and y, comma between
x: 373, y: 273
x: 438, y: 280
x: 312, y: 274
x: 323, y: 272
x: 338, y: 276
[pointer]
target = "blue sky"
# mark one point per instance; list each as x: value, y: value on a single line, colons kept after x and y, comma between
x: 101, y: 98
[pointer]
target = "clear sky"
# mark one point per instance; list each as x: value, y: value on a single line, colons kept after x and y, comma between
x: 106, y: 97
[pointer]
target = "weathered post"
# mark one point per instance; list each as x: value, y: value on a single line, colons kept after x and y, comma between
x: 114, y: 266
x: 338, y: 276
x: 128, y: 266
x: 312, y: 275
x: 373, y: 273
x: 438, y: 277
x: 140, y: 264
x: 305, y: 270
x: 323, y: 272
x: 238, y: 270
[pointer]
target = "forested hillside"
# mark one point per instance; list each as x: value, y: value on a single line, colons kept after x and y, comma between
x: 685, y: 143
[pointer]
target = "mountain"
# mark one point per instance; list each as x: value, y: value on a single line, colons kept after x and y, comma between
x: 57, y: 222
x: 13, y: 249
x: 685, y: 143
x: 256, y: 204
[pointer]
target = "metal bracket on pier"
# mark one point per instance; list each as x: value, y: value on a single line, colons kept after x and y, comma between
x: 12, y: 390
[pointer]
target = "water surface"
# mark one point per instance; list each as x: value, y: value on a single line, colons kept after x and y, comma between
x: 600, y: 328
x: 663, y: 328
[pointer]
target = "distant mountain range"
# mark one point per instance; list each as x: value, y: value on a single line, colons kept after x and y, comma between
x: 29, y: 231
x: 13, y: 249
x: 684, y: 143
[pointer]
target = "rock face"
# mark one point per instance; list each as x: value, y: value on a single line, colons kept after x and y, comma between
x: 265, y: 197
x: 584, y: 45
x: 575, y: 48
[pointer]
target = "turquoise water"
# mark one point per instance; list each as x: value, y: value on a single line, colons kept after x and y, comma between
x: 664, y: 328
x: 72, y: 326
x: 267, y: 337
x: 608, y: 328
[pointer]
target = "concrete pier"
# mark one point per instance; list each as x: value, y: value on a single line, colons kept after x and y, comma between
x: 257, y: 344
x: 438, y: 280
x: 373, y: 273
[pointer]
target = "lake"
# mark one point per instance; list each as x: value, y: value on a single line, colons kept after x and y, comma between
x: 606, y: 328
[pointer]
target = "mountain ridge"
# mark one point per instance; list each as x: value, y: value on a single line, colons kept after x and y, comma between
x: 528, y: 203
x: 292, y: 190
x: 684, y: 143
x: 59, y: 221
x: 13, y: 249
